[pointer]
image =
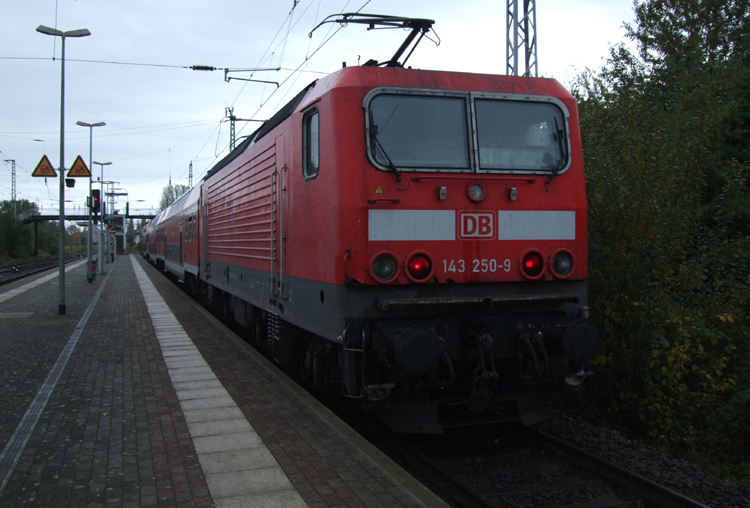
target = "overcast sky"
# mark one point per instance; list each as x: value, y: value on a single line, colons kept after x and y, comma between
x: 161, y: 116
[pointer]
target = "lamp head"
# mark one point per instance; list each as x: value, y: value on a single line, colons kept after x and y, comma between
x: 83, y: 32
x: 84, y: 124
x: 49, y: 31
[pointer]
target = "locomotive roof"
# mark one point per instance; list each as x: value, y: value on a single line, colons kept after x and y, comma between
x: 399, y: 77
x: 269, y: 124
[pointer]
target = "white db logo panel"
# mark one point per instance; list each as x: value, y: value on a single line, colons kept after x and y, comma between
x: 476, y: 225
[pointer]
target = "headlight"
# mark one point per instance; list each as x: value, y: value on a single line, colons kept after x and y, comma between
x: 384, y: 267
x: 562, y: 264
x: 475, y: 192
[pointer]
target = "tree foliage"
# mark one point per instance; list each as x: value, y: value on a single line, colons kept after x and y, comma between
x: 14, y: 238
x: 17, y: 239
x: 667, y: 151
x: 130, y: 234
x: 170, y: 193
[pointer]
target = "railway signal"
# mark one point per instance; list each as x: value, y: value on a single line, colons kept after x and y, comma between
x: 95, y: 201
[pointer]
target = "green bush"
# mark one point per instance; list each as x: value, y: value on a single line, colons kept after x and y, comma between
x: 667, y: 153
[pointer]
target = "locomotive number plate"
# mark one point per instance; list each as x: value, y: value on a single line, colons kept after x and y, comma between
x: 475, y: 265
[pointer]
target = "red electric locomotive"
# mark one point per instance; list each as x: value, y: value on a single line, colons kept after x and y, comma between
x: 413, y: 239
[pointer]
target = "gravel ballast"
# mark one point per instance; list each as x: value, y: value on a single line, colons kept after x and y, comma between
x: 655, y: 465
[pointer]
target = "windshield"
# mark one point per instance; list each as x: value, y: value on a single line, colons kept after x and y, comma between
x: 419, y: 132
x: 423, y: 131
x: 520, y: 135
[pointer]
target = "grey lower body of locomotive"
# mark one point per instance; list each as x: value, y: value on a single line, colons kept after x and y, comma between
x: 501, y: 335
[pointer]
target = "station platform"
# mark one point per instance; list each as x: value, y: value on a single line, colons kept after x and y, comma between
x: 138, y: 397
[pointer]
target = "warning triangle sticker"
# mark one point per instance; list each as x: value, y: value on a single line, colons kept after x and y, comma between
x: 79, y: 169
x: 44, y: 168
x: 378, y: 190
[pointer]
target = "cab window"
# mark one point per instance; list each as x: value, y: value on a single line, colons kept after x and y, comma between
x: 518, y: 135
x: 310, y: 144
x: 414, y: 132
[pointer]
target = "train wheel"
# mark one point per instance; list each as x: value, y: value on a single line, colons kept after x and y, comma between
x: 258, y: 332
x: 575, y: 391
x: 306, y: 362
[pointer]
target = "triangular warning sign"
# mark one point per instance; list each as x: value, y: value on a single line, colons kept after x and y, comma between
x: 79, y: 169
x: 378, y: 190
x: 44, y: 168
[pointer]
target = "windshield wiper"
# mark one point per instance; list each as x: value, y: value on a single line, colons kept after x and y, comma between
x: 563, y: 152
x: 374, y: 137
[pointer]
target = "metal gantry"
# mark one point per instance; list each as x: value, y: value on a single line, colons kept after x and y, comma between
x: 13, y: 185
x: 521, y: 41
x: 232, y: 120
x: 229, y: 113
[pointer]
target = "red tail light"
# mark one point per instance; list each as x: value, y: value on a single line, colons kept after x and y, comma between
x: 532, y: 264
x: 419, y: 267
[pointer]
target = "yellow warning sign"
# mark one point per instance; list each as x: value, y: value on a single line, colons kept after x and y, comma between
x: 79, y: 169
x: 44, y: 168
x: 378, y: 190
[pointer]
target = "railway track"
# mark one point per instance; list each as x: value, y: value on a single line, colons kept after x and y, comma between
x: 13, y: 272
x: 512, y: 466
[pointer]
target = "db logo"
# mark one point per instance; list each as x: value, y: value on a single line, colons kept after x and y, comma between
x: 476, y: 225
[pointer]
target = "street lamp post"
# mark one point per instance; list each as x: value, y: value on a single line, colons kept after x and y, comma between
x: 89, y: 275
x: 100, y: 263
x: 61, y: 247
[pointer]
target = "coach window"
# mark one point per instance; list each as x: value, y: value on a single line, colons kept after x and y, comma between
x: 310, y: 144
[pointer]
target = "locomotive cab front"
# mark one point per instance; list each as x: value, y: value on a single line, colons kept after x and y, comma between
x: 471, y: 276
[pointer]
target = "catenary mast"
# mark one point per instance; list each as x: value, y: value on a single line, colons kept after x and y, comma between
x: 521, y: 41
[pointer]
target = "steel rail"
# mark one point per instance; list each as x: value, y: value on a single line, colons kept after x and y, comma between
x: 449, y: 484
x: 28, y: 269
x: 649, y: 490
